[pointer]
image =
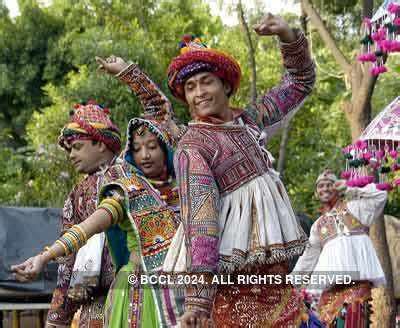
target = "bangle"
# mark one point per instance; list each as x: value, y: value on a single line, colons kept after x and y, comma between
x: 112, y: 202
x: 59, y: 242
x: 51, y: 252
x: 112, y: 210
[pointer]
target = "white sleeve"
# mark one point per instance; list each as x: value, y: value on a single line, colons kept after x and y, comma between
x: 309, y: 259
x: 366, y: 203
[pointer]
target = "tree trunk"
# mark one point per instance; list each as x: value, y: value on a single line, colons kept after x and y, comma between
x: 358, y: 115
x: 283, y: 148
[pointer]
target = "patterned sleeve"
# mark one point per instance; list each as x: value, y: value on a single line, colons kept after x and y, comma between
x: 63, y: 308
x: 155, y: 103
x: 366, y: 203
x: 283, y: 101
x: 307, y: 262
x: 199, y: 199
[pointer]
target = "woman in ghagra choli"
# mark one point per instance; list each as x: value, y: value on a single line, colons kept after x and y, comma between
x: 139, y: 211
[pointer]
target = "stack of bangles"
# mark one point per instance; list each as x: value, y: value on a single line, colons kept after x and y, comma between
x: 113, y: 207
x: 72, y: 240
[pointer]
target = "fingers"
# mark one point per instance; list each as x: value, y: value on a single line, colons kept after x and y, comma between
x: 102, y: 63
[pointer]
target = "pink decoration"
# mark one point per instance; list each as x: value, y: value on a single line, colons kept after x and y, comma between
x: 359, y: 144
x: 380, y: 154
x: 378, y: 70
x: 379, y: 35
x: 367, y: 156
x: 396, y: 182
x: 345, y: 175
x: 370, y: 179
x: 367, y: 57
x: 396, y: 21
x: 350, y: 183
x: 393, y: 154
x: 393, y: 8
x: 384, y: 186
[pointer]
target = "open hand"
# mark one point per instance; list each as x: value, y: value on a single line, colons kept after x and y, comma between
x: 275, y: 25
x: 30, y: 269
x: 111, y: 65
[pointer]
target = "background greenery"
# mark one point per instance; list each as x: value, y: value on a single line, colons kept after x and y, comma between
x: 47, y: 64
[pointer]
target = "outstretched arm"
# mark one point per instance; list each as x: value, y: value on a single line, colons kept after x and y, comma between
x: 108, y: 213
x: 282, y: 101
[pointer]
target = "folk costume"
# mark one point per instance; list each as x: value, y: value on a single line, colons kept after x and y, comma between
x: 339, y: 242
x: 83, y: 279
x: 145, y: 215
x: 236, y: 215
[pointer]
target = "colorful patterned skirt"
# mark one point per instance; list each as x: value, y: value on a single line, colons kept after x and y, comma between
x: 259, y: 305
x: 128, y: 306
x: 346, y: 306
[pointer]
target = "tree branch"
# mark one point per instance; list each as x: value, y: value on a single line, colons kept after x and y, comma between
x: 326, y: 36
x: 252, y: 60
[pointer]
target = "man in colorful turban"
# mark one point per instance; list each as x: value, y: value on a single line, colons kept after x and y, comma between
x: 339, y: 244
x: 92, y: 142
x: 236, y: 215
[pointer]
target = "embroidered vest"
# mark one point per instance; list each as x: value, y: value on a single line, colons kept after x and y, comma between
x: 339, y: 222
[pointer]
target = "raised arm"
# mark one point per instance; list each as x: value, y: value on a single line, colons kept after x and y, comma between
x: 366, y: 203
x: 199, y: 199
x: 282, y: 101
x: 156, y: 106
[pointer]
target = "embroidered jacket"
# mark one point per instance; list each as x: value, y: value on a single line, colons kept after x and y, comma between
x: 213, y: 161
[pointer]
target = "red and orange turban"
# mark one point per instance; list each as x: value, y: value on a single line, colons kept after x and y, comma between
x: 195, y: 57
x: 90, y: 122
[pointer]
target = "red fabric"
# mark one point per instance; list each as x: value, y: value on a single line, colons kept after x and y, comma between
x: 332, y: 301
x: 228, y: 68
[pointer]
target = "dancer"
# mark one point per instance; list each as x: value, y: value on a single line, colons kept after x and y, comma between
x: 236, y: 215
x: 92, y: 141
x: 139, y: 201
x: 339, y: 243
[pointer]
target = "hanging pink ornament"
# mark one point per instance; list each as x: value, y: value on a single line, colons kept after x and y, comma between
x: 350, y: 183
x: 396, y: 182
x: 367, y: 156
x: 384, y: 186
x: 393, y: 154
x: 367, y: 57
x: 379, y: 35
x: 364, y: 145
x: 345, y: 175
x: 385, y: 45
x: 380, y: 154
x: 396, y: 21
x: 358, y: 144
x: 393, y: 8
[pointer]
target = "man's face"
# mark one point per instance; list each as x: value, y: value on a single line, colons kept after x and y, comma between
x: 326, y: 191
x: 206, y: 95
x: 86, y: 155
x: 148, y: 155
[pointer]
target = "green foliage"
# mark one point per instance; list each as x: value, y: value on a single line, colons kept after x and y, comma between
x: 50, y: 66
